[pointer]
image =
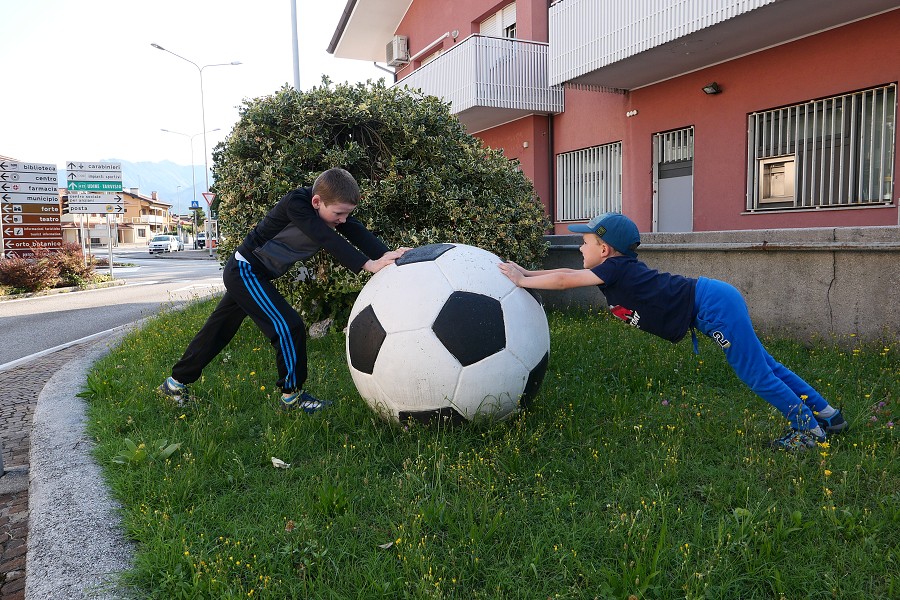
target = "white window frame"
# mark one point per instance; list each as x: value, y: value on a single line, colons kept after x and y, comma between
x: 589, y: 182
x: 838, y: 150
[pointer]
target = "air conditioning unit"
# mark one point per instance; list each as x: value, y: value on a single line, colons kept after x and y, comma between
x: 397, y: 51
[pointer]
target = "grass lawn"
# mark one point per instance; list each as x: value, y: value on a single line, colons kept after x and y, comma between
x: 641, y: 471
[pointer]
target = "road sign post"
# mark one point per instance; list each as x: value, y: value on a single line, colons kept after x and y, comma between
x: 101, y: 178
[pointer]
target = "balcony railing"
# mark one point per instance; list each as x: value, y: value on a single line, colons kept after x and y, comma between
x: 154, y: 219
x: 489, y: 81
x: 626, y: 44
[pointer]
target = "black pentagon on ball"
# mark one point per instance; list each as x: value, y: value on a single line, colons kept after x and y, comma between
x: 438, y: 416
x: 423, y: 254
x: 364, y: 340
x: 471, y: 326
x: 533, y: 385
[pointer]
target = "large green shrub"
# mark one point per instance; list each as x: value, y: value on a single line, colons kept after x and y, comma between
x: 424, y: 180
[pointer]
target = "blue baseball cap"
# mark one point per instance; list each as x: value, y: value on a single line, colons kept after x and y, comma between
x: 615, y: 229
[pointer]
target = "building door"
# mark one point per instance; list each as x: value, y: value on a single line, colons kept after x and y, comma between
x: 673, y: 181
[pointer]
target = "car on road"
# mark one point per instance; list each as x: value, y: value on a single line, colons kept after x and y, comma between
x: 201, y: 239
x: 165, y: 243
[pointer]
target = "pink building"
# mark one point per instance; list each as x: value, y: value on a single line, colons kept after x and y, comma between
x: 687, y: 116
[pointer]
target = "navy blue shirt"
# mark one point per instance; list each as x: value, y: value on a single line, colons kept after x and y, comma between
x: 658, y: 303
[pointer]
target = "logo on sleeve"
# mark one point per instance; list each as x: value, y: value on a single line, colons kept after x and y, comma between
x: 721, y: 339
x: 626, y: 314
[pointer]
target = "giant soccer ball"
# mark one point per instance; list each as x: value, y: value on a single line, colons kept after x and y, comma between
x: 444, y: 334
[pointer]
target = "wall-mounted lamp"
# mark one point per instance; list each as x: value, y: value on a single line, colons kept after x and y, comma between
x: 712, y: 88
x: 631, y: 113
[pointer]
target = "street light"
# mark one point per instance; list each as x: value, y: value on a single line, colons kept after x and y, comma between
x: 202, y: 104
x: 193, y: 170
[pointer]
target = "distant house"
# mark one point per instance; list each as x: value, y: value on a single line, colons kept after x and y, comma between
x: 144, y: 217
x: 687, y: 116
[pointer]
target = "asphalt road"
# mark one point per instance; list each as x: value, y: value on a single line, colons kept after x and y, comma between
x: 35, y: 325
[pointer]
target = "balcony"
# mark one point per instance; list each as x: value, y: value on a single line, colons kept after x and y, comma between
x: 490, y: 81
x: 151, y: 219
x: 626, y: 44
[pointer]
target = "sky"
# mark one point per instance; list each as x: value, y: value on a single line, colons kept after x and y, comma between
x: 82, y: 82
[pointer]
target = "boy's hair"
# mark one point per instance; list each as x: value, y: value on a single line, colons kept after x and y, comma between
x: 336, y: 185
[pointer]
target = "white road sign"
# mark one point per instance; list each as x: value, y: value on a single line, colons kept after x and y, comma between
x: 26, y: 198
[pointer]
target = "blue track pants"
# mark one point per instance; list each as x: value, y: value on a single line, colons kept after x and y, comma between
x: 722, y: 314
x: 249, y: 295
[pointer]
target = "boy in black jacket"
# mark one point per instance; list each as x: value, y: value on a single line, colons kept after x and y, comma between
x: 303, y: 222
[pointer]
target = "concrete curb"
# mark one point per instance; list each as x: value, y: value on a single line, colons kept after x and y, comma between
x: 76, y: 545
x: 65, y: 290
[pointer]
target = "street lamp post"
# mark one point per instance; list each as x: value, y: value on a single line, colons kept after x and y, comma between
x: 202, y: 116
x: 193, y: 171
x: 202, y: 103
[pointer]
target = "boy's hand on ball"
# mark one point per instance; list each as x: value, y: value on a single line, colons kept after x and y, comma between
x: 511, y: 270
x: 388, y: 258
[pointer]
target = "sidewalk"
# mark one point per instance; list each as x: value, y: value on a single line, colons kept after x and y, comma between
x: 58, y: 527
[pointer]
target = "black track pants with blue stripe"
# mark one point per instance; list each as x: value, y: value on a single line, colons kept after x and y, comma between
x: 249, y: 295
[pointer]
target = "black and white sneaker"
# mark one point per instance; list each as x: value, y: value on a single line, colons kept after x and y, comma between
x: 836, y: 423
x: 304, y: 401
x: 170, y: 388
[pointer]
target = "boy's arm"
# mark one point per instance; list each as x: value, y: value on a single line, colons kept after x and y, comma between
x: 553, y: 279
x: 388, y: 258
x: 359, y: 235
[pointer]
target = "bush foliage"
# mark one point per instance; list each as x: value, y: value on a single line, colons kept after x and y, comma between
x: 424, y: 180
x: 46, y: 269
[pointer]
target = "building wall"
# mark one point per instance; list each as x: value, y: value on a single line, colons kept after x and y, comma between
x: 427, y: 20
x: 845, y: 59
x: 528, y: 141
x: 849, y: 58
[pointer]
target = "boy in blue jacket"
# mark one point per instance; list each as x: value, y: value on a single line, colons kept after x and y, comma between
x: 669, y: 305
x: 303, y: 222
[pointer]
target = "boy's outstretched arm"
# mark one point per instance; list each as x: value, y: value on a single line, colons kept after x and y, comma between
x: 552, y: 279
x: 388, y: 258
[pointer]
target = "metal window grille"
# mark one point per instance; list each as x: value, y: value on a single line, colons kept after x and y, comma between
x: 674, y: 146
x: 834, y: 152
x: 589, y: 182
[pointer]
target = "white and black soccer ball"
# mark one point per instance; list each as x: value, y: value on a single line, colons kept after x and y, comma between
x: 444, y: 334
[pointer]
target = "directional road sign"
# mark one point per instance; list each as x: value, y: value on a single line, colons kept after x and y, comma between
x: 86, y: 176
x: 26, y: 198
x: 94, y: 186
x: 28, y: 187
x: 42, y: 209
x: 86, y: 165
x: 29, y: 219
x: 29, y: 204
x: 93, y: 209
x: 96, y: 198
x: 94, y: 176
x: 95, y: 203
x: 32, y: 231
x: 29, y: 177
x: 22, y: 167
x: 17, y: 244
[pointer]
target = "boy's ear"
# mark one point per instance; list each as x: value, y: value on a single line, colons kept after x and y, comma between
x: 317, y: 201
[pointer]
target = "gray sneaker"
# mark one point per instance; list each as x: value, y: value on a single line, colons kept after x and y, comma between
x: 796, y: 439
x: 170, y: 388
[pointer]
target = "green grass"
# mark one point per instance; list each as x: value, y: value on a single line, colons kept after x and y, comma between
x: 642, y: 471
